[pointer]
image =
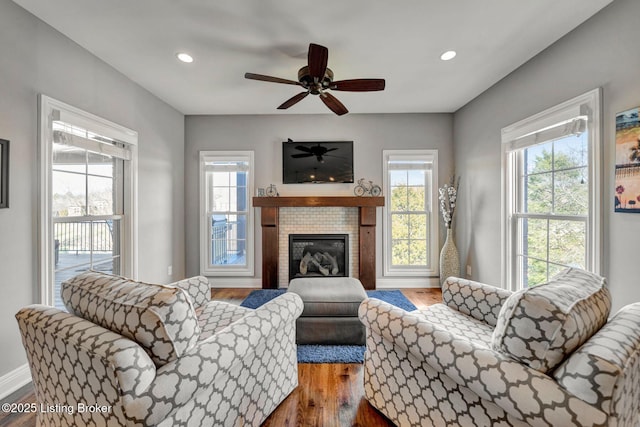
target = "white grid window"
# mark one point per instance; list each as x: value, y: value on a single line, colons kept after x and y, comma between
x: 551, y: 190
x: 411, y: 233
x: 226, y: 180
x: 88, y: 175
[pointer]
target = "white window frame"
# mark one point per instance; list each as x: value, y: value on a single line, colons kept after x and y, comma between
x: 431, y: 270
x: 226, y: 270
x: 548, y: 125
x: 49, y: 110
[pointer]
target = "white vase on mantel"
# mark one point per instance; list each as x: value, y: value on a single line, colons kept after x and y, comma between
x: 449, y: 258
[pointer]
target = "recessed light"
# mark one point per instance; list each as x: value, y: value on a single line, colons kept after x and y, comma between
x: 450, y: 54
x: 184, y: 57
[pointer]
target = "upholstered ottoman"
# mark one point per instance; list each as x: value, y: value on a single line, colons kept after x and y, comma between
x: 330, y: 314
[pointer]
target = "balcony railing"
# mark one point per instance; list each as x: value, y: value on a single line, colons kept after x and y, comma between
x: 83, y: 236
x: 226, y: 246
x: 219, y: 231
x: 83, y: 244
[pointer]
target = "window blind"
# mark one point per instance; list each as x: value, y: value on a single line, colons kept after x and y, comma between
x: 93, y: 145
x: 571, y: 127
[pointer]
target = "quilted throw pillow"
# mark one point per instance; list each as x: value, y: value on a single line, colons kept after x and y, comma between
x: 540, y: 326
x: 159, y: 318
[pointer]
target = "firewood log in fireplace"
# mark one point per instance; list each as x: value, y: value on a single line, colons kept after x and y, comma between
x: 319, y: 258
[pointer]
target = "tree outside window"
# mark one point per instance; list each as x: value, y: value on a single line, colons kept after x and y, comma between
x: 411, y: 236
x: 556, y: 194
x: 552, y: 198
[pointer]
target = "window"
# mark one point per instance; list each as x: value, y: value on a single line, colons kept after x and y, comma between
x: 410, y: 223
x: 226, y: 230
x: 552, y: 192
x: 87, y: 196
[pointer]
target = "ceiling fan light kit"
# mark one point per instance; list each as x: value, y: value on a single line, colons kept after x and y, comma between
x: 317, y: 79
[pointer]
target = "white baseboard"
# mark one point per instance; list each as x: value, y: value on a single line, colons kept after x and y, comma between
x: 13, y: 380
x: 407, y: 282
x: 232, y: 282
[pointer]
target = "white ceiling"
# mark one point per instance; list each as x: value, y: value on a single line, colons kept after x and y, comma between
x: 398, y: 41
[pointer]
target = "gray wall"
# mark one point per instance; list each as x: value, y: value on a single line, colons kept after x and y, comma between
x: 34, y: 59
x: 371, y: 134
x: 603, y: 52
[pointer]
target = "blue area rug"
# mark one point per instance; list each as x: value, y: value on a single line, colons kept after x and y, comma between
x: 256, y: 298
x: 329, y: 353
x: 394, y: 297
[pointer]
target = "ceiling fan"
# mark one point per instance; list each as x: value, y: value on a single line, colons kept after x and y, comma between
x: 317, y: 79
x: 318, y: 151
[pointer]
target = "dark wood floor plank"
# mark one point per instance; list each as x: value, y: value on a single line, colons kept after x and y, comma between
x: 328, y: 394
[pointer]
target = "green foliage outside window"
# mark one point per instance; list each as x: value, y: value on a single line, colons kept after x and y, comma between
x: 555, y: 184
x: 409, y: 221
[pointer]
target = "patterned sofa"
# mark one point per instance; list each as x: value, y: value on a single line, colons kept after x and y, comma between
x: 137, y: 354
x: 545, y: 356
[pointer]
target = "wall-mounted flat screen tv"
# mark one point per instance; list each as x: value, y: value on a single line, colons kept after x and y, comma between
x: 317, y: 162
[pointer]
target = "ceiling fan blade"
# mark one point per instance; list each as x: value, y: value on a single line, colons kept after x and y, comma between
x: 293, y: 100
x: 317, y: 59
x: 333, y: 104
x: 358, y: 85
x: 303, y: 148
x: 300, y: 156
x: 252, y: 76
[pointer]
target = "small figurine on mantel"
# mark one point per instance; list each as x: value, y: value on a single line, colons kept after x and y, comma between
x: 370, y: 189
x: 272, y: 191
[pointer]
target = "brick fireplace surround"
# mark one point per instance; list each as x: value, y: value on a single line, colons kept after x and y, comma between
x: 355, y: 216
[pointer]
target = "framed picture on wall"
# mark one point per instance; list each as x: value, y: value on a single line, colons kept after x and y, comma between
x: 627, y: 181
x: 4, y: 173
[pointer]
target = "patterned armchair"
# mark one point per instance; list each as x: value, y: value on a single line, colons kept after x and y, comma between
x: 136, y: 354
x: 545, y: 356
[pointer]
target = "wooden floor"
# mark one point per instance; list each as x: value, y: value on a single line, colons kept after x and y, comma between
x: 328, y: 395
